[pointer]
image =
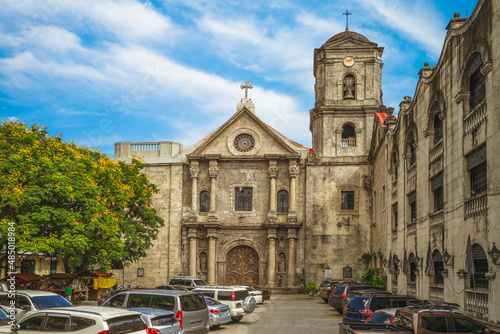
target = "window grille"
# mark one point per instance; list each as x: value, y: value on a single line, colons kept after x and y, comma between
x: 413, y: 150
x: 478, y: 179
x: 438, y: 128
x: 437, y: 190
x: 283, y: 200
x: 412, y: 200
x: 347, y: 202
x: 438, y: 267
x: 477, y: 82
x: 204, y: 201
x: 395, y: 216
x: 243, y: 199
x: 479, y: 280
x: 413, y: 268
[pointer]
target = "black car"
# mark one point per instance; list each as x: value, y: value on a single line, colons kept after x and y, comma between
x: 361, y: 307
x: 343, y: 291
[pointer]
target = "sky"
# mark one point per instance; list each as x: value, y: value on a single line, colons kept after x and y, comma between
x: 108, y: 71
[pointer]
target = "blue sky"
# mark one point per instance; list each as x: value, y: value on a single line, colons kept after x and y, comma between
x: 106, y: 71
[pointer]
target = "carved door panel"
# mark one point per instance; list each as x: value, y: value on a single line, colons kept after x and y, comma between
x: 242, y: 266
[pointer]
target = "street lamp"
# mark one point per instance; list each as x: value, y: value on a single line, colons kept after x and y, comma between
x: 494, y: 253
x: 396, y: 260
x: 446, y: 256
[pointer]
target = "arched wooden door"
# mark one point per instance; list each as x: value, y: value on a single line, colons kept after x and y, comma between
x: 242, y: 266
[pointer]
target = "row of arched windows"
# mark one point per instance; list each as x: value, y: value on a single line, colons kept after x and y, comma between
x: 244, y: 202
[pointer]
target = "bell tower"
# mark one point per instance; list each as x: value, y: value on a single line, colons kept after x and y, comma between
x: 348, y: 72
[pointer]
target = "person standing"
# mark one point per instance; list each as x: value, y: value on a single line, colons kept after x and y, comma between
x: 67, y: 292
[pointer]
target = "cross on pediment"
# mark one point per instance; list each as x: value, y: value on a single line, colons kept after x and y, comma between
x: 246, y: 86
x: 347, y: 18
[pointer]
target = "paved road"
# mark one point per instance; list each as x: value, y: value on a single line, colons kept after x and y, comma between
x: 287, y: 314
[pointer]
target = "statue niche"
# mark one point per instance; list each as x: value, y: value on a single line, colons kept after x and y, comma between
x: 349, y: 87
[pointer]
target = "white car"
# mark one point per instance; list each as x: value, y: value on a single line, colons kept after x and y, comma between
x: 238, y: 299
x: 257, y: 294
x: 80, y: 320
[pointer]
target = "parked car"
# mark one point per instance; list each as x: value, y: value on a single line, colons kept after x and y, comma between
x: 385, y: 316
x: 238, y: 299
x: 361, y: 307
x: 219, y: 313
x: 343, y: 291
x: 257, y: 294
x: 171, y: 287
x: 4, y: 317
x: 266, y: 293
x: 105, y: 296
x: 367, y: 292
x: 187, y: 282
x: 30, y: 301
x: 189, y: 308
x: 427, y: 317
x: 327, y: 287
x: 81, y: 320
x: 159, y: 321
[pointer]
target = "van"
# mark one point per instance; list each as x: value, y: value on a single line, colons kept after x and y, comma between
x: 190, y: 308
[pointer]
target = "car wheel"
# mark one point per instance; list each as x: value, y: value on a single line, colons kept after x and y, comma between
x: 249, y: 304
x: 237, y: 319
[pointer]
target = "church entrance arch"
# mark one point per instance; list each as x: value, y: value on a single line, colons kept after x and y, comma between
x: 242, y: 266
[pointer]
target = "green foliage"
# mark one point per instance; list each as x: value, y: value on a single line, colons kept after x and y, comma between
x: 311, y: 287
x: 73, y: 202
x: 369, y: 278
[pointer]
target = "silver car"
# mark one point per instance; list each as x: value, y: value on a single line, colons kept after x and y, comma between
x: 164, y: 322
x: 218, y: 313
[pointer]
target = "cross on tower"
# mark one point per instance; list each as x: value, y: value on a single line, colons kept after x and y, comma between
x: 347, y: 18
x: 246, y: 86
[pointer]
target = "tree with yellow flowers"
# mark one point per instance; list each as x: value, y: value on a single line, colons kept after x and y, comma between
x: 72, y: 202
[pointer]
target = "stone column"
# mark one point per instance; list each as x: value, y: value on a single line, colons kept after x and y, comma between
x: 195, y: 172
x: 212, y: 236
x: 271, y: 258
x: 213, y: 171
x: 292, y: 236
x: 273, y: 172
x: 192, y: 236
x: 293, y: 170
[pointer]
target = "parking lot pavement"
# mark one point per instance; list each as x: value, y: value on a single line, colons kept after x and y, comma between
x: 287, y: 314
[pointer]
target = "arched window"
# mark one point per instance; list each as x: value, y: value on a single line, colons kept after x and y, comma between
x: 348, y: 136
x: 412, y: 148
x: 204, y: 201
x: 395, y: 262
x: 438, y: 267
x: 283, y: 199
x: 413, y: 267
x: 479, y: 280
x: 438, y: 122
x: 349, y: 87
x: 477, y: 82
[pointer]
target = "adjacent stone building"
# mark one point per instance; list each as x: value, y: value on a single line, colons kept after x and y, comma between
x: 246, y: 205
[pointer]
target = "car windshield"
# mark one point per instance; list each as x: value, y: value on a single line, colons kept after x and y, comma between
x: 42, y: 302
x: 199, y: 282
x: 340, y: 290
x: 211, y: 301
x: 380, y: 318
x: 359, y: 303
x: 3, y: 314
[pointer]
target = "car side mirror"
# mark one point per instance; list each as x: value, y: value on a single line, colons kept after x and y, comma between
x: 25, y: 307
x: 15, y: 327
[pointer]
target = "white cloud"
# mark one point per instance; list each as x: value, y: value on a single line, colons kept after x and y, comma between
x: 411, y: 19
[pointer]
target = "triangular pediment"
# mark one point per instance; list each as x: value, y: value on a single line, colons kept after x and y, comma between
x: 253, y: 138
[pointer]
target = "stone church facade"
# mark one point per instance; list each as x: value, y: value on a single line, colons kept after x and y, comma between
x: 246, y: 205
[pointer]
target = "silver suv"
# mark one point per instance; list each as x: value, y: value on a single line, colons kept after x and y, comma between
x: 189, y: 308
x: 188, y: 282
x: 238, y: 299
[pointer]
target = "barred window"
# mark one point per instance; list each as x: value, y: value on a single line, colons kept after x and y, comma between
x: 438, y: 267
x: 413, y: 267
x: 477, y: 82
x: 243, y: 198
x: 476, y: 164
x: 412, y: 201
x: 395, y: 164
x: 438, y: 126
x: 283, y: 199
x: 28, y: 266
x: 479, y: 280
x: 437, y: 191
x: 347, y: 200
x: 204, y: 201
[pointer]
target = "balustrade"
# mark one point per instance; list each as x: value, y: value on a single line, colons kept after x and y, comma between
x: 476, y: 301
x: 475, y: 118
x: 476, y: 206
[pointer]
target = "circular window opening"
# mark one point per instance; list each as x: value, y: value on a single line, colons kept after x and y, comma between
x: 244, y: 142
